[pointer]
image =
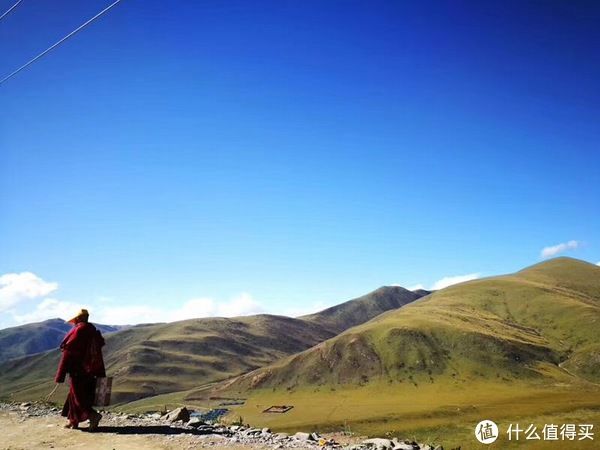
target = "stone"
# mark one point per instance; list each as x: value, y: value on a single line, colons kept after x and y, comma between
x: 303, y: 436
x: 405, y: 446
x: 251, y: 432
x: 194, y: 422
x: 380, y: 443
x: 265, y: 431
x: 179, y: 414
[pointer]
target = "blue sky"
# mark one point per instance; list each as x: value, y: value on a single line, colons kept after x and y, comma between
x: 199, y: 158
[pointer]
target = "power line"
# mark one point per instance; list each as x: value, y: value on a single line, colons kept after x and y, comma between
x: 10, y: 9
x: 52, y: 47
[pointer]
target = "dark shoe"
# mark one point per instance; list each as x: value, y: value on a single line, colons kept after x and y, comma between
x: 94, y: 421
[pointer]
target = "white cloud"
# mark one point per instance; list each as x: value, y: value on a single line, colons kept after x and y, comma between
x: 17, y: 287
x: 198, y: 307
x: 598, y: 263
x: 49, y: 308
x: 240, y: 305
x: 130, y: 315
x: 449, y: 281
x: 109, y: 313
x: 446, y: 281
x: 553, y: 250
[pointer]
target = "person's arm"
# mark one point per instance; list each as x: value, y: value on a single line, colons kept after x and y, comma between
x: 66, y: 360
x: 61, y: 373
x: 63, y: 365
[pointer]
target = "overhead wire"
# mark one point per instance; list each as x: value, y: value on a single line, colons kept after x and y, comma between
x: 53, y: 46
x: 10, y: 9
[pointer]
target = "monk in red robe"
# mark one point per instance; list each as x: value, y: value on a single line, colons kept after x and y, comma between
x: 82, y: 360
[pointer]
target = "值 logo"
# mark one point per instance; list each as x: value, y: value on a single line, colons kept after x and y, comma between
x: 486, y: 431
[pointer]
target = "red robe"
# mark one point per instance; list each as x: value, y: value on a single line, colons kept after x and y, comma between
x: 82, y: 360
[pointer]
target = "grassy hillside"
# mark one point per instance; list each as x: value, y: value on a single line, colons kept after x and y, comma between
x: 32, y: 338
x: 354, y: 312
x: 154, y: 359
x: 528, y: 341
x: 509, y: 327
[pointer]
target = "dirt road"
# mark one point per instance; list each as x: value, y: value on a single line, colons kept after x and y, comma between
x: 47, y: 432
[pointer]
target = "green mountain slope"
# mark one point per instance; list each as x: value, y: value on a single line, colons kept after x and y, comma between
x: 510, y: 327
x: 154, y: 359
x: 516, y: 347
x: 354, y: 312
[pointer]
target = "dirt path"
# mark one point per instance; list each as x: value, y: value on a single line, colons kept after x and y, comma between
x: 47, y: 432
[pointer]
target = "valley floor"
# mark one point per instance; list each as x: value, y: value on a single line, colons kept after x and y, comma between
x: 441, y: 413
x: 435, y: 413
x: 428, y: 414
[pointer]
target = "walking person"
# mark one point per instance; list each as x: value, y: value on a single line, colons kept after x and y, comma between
x: 82, y: 360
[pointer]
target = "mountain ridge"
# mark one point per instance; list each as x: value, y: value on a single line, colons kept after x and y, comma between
x: 488, y: 313
x: 153, y: 359
x: 38, y: 337
x: 353, y: 312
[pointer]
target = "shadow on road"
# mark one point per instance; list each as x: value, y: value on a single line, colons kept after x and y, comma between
x: 147, y: 429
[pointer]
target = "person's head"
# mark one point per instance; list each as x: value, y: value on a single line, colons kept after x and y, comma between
x: 81, y: 316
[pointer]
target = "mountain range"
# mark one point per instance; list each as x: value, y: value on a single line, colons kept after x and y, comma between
x: 38, y: 337
x: 530, y: 324
x: 517, y: 347
x: 147, y: 360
